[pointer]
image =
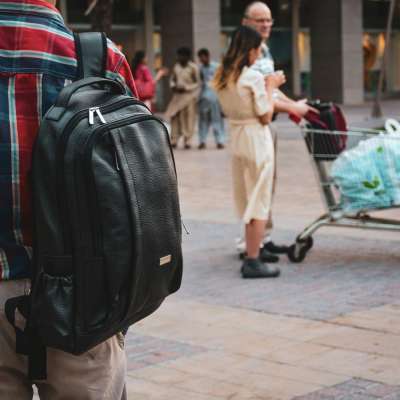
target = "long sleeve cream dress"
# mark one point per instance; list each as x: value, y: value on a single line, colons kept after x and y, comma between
x: 251, y: 145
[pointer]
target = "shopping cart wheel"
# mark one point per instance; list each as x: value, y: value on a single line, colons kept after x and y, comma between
x: 297, y: 252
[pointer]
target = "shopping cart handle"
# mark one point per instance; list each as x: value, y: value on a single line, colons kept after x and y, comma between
x: 295, y: 118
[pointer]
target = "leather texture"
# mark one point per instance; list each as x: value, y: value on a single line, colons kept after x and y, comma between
x: 107, y: 219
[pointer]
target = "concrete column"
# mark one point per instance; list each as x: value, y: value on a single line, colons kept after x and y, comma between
x: 336, y: 51
x: 207, y: 26
x: 148, y: 31
x: 63, y: 10
x: 295, y: 48
x: 191, y: 23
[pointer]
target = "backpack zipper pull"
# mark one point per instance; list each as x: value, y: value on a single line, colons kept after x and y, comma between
x: 96, y: 110
x: 100, y: 115
x: 91, y: 116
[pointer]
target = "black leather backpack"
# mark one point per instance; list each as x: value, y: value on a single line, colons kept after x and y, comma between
x: 107, y: 242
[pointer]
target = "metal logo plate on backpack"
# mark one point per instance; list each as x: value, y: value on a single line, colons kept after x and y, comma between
x: 165, y: 260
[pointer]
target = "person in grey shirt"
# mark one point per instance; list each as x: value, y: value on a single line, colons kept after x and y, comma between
x: 258, y: 15
x: 210, y: 114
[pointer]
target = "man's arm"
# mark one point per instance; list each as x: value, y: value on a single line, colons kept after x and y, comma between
x: 196, y: 80
x: 172, y: 79
x: 286, y: 105
x: 282, y: 96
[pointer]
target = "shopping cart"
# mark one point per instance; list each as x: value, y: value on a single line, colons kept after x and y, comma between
x: 324, y: 147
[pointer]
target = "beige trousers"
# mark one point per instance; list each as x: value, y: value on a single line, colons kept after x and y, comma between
x: 98, y: 374
x: 183, y: 123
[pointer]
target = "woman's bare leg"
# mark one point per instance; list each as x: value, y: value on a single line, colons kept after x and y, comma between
x: 255, y: 231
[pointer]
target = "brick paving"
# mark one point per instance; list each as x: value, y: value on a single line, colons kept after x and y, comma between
x: 145, y: 350
x: 355, y: 389
x: 327, y: 329
x: 339, y: 276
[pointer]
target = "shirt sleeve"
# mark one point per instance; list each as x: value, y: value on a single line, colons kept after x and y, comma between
x: 119, y: 69
x: 147, y: 77
x: 172, y: 79
x: 255, y: 82
x: 196, y: 79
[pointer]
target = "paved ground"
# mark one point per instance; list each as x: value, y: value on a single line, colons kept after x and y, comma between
x: 328, y: 329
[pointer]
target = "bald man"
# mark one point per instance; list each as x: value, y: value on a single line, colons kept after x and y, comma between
x: 258, y: 15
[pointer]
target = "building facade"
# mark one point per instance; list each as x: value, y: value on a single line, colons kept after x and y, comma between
x: 330, y: 49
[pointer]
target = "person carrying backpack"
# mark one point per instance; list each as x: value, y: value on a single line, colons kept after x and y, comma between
x: 37, y: 59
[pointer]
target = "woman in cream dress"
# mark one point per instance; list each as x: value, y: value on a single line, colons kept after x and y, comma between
x: 246, y: 99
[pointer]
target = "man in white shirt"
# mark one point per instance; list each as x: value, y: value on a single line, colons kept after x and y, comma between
x: 258, y: 16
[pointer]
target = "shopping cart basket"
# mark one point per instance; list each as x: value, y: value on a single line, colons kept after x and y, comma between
x: 381, y: 186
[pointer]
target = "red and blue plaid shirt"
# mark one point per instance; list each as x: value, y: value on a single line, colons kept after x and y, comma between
x: 37, y: 59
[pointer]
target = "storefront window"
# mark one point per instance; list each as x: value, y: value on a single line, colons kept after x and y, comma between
x: 376, y: 14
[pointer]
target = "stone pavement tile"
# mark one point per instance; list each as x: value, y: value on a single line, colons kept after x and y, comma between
x: 216, y: 363
x: 381, y: 319
x: 342, y: 362
x: 254, y: 345
x: 383, y: 369
x: 297, y: 352
x: 140, y: 389
x: 191, y: 309
x: 144, y: 350
x: 213, y: 386
x: 355, y: 364
x: 256, y: 322
x: 276, y: 387
x: 160, y: 374
x: 299, y: 329
x: 293, y: 372
x: 307, y: 330
x: 364, y: 341
x: 194, y: 333
x: 357, y: 389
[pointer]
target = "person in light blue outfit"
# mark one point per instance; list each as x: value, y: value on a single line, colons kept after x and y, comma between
x: 210, y: 114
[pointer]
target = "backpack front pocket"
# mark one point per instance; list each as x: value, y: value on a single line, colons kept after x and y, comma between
x: 53, y: 310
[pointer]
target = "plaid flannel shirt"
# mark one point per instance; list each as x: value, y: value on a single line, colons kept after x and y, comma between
x: 37, y: 59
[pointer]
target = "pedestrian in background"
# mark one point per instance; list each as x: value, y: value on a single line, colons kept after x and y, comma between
x: 246, y: 99
x: 258, y: 16
x: 145, y: 83
x: 210, y: 114
x: 182, y: 109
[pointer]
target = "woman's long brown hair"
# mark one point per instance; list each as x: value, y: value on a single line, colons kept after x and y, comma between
x: 243, y: 40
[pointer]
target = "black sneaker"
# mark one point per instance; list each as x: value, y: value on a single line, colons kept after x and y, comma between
x: 254, y: 268
x: 276, y: 249
x: 265, y: 256
x: 202, y: 146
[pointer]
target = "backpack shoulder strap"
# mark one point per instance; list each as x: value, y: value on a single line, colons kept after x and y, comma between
x: 91, y: 53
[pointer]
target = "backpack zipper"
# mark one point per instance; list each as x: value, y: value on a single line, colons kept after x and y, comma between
x: 61, y: 148
x: 95, y: 110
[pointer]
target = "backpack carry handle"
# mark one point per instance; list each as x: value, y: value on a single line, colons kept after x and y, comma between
x: 64, y: 98
x: 68, y: 91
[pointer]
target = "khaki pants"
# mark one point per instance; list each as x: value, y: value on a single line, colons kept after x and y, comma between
x: 97, y: 374
x: 183, y: 123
